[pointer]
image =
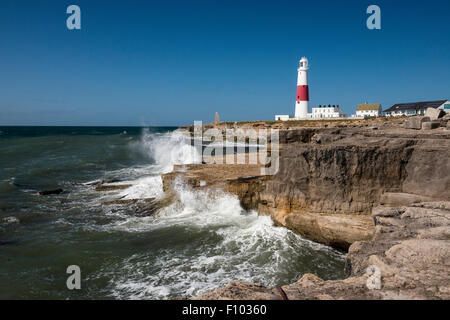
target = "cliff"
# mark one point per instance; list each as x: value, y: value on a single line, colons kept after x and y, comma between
x: 329, y: 182
x: 374, y: 188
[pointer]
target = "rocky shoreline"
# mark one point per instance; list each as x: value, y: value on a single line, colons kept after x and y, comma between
x: 409, y: 251
x: 375, y: 188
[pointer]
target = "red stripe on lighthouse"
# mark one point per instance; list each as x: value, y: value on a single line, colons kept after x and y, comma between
x: 302, y: 93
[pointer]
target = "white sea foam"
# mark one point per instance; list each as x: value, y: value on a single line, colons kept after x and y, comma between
x: 167, y: 149
x: 9, y: 220
x: 142, y: 188
x: 247, y: 247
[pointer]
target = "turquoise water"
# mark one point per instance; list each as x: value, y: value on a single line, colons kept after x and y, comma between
x: 202, y: 242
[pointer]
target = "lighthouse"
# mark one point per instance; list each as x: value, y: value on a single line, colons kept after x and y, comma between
x: 302, y: 101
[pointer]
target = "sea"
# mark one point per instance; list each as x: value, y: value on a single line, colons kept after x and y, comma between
x: 201, y: 242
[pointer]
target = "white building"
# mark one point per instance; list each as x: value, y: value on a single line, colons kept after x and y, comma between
x: 369, y: 110
x: 324, y: 112
x: 416, y: 108
x: 282, y: 117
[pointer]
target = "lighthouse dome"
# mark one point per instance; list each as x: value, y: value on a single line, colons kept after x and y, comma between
x: 304, y: 63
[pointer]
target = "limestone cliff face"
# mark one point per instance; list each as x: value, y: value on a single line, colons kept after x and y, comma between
x: 330, y: 179
x: 428, y: 170
x: 336, y: 178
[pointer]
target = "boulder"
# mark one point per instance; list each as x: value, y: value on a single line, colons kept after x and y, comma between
x: 144, y: 207
x: 416, y: 122
x: 431, y: 125
x: 49, y: 192
x: 434, y: 114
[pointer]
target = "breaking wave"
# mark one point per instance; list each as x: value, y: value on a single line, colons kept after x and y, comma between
x: 210, y: 241
x: 167, y: 149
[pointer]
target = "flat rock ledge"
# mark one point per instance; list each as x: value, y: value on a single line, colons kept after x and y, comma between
x: 407, y: 258
x: 336, y: 230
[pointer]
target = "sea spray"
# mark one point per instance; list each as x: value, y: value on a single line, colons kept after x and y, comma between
x: 167, y: 149
x: 213, y: 241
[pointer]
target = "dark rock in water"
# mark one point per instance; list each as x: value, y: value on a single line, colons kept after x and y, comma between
x: 8, y: 243
x: 50, y: 192
x: 111, y: 181
x: 144, y: 207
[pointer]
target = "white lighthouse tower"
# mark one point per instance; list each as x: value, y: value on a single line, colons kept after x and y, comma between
x: 302, y: 101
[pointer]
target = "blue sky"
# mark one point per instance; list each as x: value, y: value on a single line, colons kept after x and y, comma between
x: 173, y: 62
